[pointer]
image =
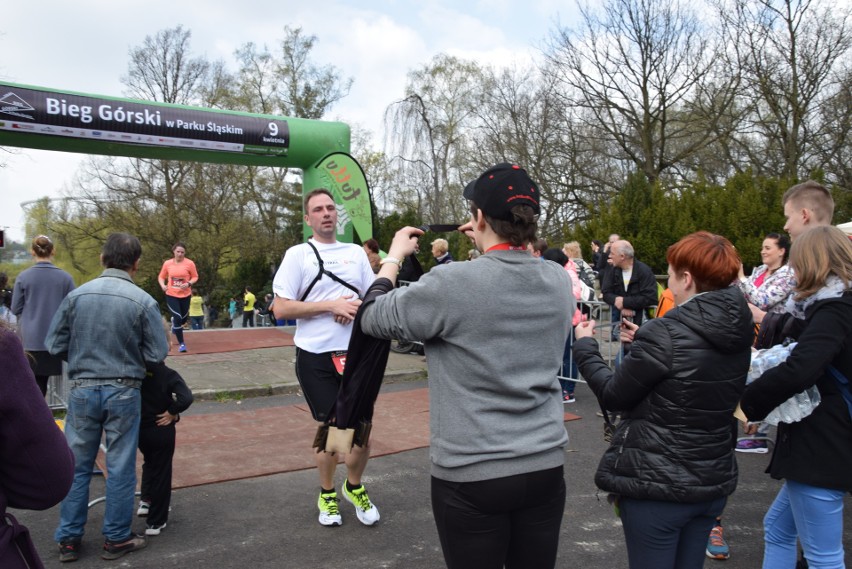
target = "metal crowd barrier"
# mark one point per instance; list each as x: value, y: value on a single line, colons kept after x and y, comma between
x: 598, y: 311
x: 57, y: 389
x: 601, y: 313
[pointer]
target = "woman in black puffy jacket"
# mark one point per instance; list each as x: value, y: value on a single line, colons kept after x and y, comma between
x: 671, y: 464
x: 814, y: 455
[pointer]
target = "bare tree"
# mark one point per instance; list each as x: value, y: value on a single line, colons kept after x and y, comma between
x: 642, y: 75
x: 429, y: 136
x: 836, y: 148
x: 161, y: 69
x: 523, y: 120
x: 288, y: 82
x: 790, y: 54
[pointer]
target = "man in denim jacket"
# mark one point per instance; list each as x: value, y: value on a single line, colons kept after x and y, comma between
x: 107, y: 330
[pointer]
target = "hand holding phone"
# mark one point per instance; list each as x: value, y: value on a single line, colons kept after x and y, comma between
x: 628, y: 329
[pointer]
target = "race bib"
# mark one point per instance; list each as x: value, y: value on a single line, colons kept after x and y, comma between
x: 339, y: 359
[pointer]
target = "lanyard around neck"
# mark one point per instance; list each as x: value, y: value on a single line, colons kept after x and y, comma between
x: 505, y: 247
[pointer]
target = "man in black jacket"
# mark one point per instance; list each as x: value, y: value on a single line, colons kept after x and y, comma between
x: 603, y: 267
x: 629, y: 286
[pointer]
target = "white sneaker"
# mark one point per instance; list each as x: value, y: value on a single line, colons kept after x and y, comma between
x: 143, y: 508
x: 329, y: 512
x: 154, y: 530
x: 367, y: 512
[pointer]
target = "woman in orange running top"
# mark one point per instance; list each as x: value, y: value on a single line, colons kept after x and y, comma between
x: 176, y: 279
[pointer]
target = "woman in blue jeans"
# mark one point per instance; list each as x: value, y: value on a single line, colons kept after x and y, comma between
x: 814, y: 455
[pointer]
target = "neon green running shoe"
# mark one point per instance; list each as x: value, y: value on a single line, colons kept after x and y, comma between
x: 368, y: 513
x: 329, y: 513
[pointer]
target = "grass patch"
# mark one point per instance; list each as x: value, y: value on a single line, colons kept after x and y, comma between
x: 227, y: 396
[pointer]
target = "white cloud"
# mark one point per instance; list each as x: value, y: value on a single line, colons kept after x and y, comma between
x: 377, y: 52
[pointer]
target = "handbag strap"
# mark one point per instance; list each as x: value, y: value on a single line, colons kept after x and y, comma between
x: 609, y: 427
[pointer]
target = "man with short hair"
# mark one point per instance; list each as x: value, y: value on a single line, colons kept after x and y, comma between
x: 807, y: 205
x: 108, y: 330
x: 320, y: 284
x: 630, y: 286
x: 440, y: 250
x: 603, y: 260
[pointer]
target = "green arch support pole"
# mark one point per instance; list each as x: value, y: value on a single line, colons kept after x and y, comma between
x: 47, y: 119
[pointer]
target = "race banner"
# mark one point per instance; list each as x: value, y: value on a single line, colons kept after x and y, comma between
x: 48, y: 119
x: 77, y: 116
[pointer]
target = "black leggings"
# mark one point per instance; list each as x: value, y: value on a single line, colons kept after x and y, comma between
x: 42, y: 381
x: 512, y: 521
x: 179, y: 308
x: 158, y: 448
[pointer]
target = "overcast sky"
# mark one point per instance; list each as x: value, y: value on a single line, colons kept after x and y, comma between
x: 83, y: 46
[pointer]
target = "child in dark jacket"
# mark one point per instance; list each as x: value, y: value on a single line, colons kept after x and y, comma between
x: 164, y: 396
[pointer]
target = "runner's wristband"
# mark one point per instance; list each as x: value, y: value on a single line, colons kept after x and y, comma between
x: 392, y: 260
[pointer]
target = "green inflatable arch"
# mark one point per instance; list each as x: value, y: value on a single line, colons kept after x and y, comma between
x: 47, y: 119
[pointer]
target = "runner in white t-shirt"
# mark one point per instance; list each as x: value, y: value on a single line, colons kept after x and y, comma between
x: 324, y: 310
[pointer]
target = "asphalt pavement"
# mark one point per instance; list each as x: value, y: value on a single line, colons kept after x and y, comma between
x: 271, y: 521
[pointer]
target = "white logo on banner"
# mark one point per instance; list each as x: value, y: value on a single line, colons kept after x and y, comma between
x: 12, y: 104
x: 342, y: 218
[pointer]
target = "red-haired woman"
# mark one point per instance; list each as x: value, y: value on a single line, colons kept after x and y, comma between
x: 176, y: 279
x: 671, y: 464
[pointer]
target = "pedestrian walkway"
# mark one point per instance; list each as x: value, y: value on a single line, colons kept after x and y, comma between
x: 239, y: 370
x: 248, y: 443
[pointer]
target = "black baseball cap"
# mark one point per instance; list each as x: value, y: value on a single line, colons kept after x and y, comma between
x: 502, y: 187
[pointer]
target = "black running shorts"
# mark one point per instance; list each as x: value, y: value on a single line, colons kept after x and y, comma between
x: 319, y: 381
